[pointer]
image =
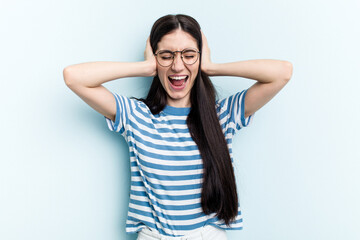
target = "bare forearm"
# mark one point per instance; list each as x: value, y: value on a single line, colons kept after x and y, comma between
x: 93, y: 74
x: 262, y: 70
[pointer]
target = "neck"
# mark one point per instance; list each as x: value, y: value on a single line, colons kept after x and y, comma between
x: 180, y: 103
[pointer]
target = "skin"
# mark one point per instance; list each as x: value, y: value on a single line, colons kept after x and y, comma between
x: 178, y: 40
x: 271, y: 75
x: 86, y: 79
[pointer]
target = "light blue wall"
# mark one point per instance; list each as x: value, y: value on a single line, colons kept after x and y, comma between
x: 64, y: 175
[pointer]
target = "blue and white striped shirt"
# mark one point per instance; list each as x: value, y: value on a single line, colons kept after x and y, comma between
x: 166, y: 166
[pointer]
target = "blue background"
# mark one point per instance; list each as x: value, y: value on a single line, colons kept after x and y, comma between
x: 64, y: 175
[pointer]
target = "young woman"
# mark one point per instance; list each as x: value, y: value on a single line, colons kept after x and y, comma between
x: 180, y: 136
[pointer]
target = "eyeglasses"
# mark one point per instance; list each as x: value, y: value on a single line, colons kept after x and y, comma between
x: 166, y: 57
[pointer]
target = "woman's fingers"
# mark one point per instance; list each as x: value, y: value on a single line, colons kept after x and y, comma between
x: 204, y: 39
x: 206, y: 61
x: 148, y: 50
x: 150, y: 58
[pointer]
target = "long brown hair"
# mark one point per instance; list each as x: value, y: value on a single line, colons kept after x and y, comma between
x: 219, y: 194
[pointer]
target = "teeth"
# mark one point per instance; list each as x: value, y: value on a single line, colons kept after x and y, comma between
x: 178, y: 78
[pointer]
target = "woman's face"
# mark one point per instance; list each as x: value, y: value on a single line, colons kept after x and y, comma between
x: 178, y: 78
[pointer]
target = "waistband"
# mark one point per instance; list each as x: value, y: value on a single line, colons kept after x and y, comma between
x: 196, y: 234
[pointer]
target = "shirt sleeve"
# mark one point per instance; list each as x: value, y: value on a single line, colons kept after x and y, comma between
x: 122, y: 113
x: 231, y: 112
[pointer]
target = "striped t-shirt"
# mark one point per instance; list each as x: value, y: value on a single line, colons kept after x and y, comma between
x: 166, y: 166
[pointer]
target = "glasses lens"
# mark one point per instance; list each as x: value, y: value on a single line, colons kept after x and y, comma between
x: 190, y: 56
x: 165, y: 58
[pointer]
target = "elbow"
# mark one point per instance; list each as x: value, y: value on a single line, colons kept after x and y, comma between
x: 68, y: 79
x: 288, y: 71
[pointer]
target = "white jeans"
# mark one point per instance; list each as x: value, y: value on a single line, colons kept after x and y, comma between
x: 207, y: 232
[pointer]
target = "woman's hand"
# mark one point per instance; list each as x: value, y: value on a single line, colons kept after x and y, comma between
x: 150, y: 59
x: 206, y: 63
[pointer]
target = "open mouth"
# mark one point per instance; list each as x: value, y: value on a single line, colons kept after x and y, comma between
x: 178, y: 82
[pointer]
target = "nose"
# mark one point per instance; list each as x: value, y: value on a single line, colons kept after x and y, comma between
x: 178, y: 64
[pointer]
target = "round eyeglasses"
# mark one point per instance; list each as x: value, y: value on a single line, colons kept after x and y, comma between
x: 166, y: 57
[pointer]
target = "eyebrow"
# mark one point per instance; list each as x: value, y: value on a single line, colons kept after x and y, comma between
x: 188, y: 48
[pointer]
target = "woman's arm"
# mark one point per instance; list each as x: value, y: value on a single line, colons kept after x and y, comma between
x: 85, y: 80
x: 93, y: 74
x: 262, y: 70
x: 271, y: 76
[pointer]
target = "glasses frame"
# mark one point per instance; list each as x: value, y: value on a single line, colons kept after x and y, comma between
x: 174, y: 55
